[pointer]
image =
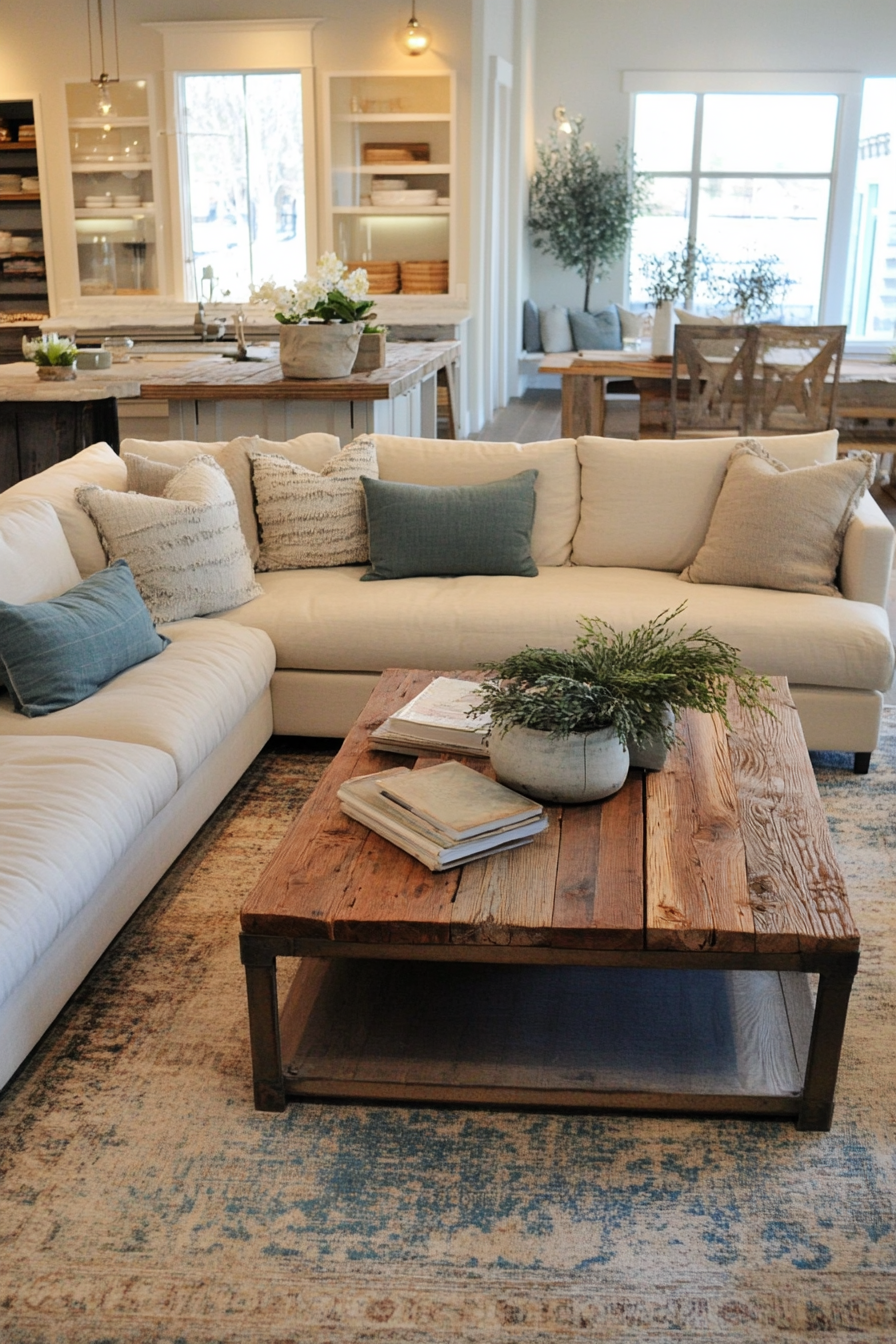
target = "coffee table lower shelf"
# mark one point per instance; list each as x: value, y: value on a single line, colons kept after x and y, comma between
x: 705, y: 1041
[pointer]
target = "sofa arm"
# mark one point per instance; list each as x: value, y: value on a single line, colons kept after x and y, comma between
x: 867, y: 558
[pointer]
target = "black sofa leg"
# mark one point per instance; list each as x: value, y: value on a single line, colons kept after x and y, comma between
x: 861, y: 762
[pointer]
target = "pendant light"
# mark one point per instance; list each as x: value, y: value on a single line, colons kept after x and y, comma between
x: 414, y: 39
x: 102, y: 20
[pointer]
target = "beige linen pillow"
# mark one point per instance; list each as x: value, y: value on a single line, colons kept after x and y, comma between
x: 146, y: 477
x: 779, y: 528
x: 646, y: 503
x: 310, y: 519
x: 475, y: 462
x: 185, y: 549
x: 309, y: 450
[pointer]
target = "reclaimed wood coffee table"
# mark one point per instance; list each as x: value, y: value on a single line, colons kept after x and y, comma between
x: 653, y: 951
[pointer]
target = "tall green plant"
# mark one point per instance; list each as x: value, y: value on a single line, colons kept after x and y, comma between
x: 580, y: 212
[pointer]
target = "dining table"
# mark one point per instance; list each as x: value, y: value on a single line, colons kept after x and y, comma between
x: 867, y: 390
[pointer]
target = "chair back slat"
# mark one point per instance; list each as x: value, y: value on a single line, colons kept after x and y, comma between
x: 720, y: 362
x: 797, y: 379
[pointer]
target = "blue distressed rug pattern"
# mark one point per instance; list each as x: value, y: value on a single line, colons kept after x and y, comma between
x: 144, y: 1201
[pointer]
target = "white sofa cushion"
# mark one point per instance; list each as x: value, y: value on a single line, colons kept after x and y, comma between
x: 307, y: 450
x: 70, y: 808
x: 36, y: 561
x: 646, y: 503
x: 435, y: 462
x: 96, y: 465
x: 314, y: 618
x: 186, y: 549
x: 184, y: 702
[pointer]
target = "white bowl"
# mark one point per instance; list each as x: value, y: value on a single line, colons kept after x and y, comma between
x: 389, y: 184
x: 414, y: 197
x: 20, y: 243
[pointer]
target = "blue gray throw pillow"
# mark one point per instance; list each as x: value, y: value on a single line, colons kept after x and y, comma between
x: 596, y: 331
x: 55, y: 653
x: 447, y: 530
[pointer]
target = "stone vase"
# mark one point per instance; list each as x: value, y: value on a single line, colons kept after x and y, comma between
x: 662, y: 341
x: 652, y: 752
x: 319, y: 349
x: 579, y: 768
x: 56, y: 373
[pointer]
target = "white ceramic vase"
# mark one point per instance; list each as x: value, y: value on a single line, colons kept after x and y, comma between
x: 662, y: 342
x: 576, y: 769
x: 319, y: 349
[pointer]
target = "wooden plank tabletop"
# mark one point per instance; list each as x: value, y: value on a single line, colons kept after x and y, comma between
x: 725, y: 850
x: 407, y: 363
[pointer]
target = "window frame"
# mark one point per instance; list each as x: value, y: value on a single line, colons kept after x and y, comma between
x: 847, y: 87
x: 232, y: 47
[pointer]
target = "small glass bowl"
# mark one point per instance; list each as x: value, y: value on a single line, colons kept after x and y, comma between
x: 119, y: 347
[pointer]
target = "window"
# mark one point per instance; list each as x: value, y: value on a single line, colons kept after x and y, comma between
x: 744, y: 175
x: 870, y: 312
x: 244, y: 181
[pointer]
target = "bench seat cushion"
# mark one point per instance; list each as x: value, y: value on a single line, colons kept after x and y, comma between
x: 183, y: 702
x: 70, y: 808
x: 326, y: 619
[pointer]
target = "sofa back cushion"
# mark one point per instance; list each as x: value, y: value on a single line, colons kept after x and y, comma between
x: 97, y: 465
x: 557, y: 487
x: 36, y: 562
x: 646, y: 503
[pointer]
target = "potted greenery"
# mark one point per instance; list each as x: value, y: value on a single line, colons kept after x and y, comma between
x: 566, y: 724
x: 54, y: 356
x: 323, y: 318
x: 580, y: 212
x: 671, y: 277
x: 753, y: 288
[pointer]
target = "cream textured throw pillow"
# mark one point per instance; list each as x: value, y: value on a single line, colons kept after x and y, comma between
x: 775, y: 528
x: 147, y: 477
x: 309, y: 519
x: 185, y: 549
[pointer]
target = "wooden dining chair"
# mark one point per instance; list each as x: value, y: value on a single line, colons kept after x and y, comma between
x: 719, y: 362
x: 797, y: 379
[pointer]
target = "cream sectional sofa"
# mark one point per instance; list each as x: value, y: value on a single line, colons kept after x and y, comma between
x: 96, y: 800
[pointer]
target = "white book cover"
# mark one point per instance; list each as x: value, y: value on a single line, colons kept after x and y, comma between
x: 443, y: 704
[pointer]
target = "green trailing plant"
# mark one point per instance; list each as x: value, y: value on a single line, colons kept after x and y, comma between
x: 50, y: 351
x: 626, y: 682
x: 675, y: 275
x: 581, y: 212
x: 753, y: 288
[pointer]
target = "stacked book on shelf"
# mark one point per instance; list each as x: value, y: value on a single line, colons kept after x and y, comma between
x: 438, y: 719
x: 444, y: 815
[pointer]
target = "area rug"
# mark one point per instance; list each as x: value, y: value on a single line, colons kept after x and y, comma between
x: 144, y: 1201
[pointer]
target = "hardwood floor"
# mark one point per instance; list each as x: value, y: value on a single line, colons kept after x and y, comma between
x: 536, y: 415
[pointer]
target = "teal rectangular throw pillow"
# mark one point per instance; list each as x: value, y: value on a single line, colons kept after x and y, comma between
x: 55, y: 653
x: 448, y: 530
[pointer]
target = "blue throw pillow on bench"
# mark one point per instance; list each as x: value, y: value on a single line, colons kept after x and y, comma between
x: 596, y: 331
x: 55, y: 653
x: 443, y: 531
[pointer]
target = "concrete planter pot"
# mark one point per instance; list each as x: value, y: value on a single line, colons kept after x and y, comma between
x: 652, y: 753
x: 577, y: 769
x: 56, y: 373
x: 319, y: 349
x: 371, y: 352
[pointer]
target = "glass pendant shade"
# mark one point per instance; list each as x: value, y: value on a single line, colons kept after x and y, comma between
x: 414, y: 39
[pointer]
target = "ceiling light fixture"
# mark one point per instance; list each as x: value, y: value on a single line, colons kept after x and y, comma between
x: 563, y: 122
x: 414, y: 39
x: 100, y: 76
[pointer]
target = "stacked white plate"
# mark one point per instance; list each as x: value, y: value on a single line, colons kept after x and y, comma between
x: 389, y: 184
x: 10, y: 184
x: 98, y: 202
x: 418, y: 197
x: 125, y: 202
x: 31, y: 184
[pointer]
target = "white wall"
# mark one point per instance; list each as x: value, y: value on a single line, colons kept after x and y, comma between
x: 582, y: 47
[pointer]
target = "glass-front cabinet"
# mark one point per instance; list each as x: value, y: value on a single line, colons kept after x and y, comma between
x: 110, y: 143
x: 390, y: 166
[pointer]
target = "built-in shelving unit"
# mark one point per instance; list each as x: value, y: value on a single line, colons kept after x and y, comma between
x: 110, y: 146
x: 388, y: 128
x: 23, y: 274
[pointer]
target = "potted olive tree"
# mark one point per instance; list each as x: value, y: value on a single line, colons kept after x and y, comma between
x: 581, y: 212
x: 567, y: 724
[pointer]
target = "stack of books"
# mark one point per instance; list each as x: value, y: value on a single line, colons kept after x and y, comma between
x: 444, y: 815
x: 437, y: 720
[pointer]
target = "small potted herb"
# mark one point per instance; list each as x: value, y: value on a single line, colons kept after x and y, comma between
x: 567, y: 723
x: 54, y: 356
